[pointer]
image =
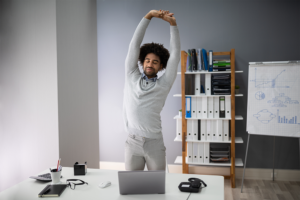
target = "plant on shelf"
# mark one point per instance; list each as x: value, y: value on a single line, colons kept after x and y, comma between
x: 237, y: 89
x: 180, y: 113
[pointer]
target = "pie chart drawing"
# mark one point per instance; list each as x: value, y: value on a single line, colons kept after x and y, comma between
x: 260, y: 95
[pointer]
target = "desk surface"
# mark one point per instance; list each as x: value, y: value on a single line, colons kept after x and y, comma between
x: 30, y: 188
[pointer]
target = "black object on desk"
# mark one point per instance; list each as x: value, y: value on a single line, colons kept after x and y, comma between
x: 80, y: 169
x: 52, y: 190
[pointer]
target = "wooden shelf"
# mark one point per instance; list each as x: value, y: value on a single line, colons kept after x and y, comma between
x: 207, y: 72
x: 238, y: 162
x: 238, y: 140
x: 203, y: 95
x: 237, y: 117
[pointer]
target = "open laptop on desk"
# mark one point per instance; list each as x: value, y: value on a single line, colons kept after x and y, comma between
x: 142, y: 182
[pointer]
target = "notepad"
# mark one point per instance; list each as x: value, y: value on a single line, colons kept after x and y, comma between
x: 52, y: 190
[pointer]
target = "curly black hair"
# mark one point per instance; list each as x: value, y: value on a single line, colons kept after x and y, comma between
x: 157, y: 49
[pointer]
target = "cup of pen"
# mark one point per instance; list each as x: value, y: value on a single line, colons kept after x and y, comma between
x: 55, y: 176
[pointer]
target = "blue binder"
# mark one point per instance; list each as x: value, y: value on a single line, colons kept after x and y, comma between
x: 210, y: 62
x: 204, y: 55
x: 188, y: 107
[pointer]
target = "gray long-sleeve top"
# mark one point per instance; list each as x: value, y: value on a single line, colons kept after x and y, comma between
x: 144, y: 100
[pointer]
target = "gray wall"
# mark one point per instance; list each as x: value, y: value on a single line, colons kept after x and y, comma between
x: 258, y: 30
x: 77, y: 82
x: 28, y: 87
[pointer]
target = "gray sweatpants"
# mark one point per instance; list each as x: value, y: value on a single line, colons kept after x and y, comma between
x: 140, y: 150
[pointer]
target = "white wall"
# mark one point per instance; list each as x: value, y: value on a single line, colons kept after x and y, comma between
x: 28, y: 89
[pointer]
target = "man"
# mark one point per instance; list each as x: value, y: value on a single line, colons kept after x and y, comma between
x: 145, y: 95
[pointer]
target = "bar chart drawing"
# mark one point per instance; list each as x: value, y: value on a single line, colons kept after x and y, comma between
x: 285, y: 120
x: 282, y: 101
x: 264, y: 116
x: 276, y: 82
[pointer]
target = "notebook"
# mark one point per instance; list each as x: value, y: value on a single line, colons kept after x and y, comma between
x: 52, y: 190
x: 142, y: 182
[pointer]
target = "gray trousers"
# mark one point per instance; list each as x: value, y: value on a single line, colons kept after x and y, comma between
x: 140, y: 150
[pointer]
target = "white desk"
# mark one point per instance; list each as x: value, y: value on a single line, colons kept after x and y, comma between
x: 30, y: 188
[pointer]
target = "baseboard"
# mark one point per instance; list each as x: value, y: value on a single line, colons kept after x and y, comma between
x: 250, y: 173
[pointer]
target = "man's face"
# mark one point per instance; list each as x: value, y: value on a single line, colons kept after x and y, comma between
x: 151, y: 65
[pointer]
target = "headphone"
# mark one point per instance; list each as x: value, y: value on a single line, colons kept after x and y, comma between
x: 194, y: 185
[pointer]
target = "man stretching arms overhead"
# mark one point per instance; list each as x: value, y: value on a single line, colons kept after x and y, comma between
x: 145, y: 95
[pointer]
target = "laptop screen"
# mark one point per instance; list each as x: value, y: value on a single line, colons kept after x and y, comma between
x: 142, y: 182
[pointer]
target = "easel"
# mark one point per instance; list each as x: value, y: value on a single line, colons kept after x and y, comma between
x: 280, y: 62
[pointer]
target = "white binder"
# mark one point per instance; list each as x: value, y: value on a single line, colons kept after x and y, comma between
x: 210, y: 107
x: 226, y: 130
x: 195, y: 129
x: 216, y: 107
x: 203, y: 130
x: 179, y: 129
x: 199, y: 107
x: 194, y: 107
x: 227, y: 107
x: 189, y: 152
x: 214, y: 130
x: 195, y: 153
x: 197, y: 84
x: 204, y: 107
x: 207, y: 84
x: 220, y: 130
x: 201, y: 152
x: 189, y: 129
x: 208, y: 130
x: 206, y: 152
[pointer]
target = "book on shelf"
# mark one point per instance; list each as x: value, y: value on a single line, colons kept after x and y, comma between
x: 194, y: 60
x: 204, y: 56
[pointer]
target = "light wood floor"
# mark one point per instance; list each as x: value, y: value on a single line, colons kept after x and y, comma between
x: 263, y: 189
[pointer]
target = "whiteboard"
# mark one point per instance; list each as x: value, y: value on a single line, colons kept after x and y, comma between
x: 274, y: 99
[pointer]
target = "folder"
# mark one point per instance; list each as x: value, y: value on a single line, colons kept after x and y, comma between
x: 222, y: 106
x: 204, y: 107
x: 203, y: 130
x: 195, y: 129
x: 188, y: 107
x: 179, y: 129
x: 195, y: 153
x: 194, y: 60
x: 189, y: 152
x: 227, y: 107
x: 226, y: 130
x: 199, y: 108
x: 189, y: 61
x: 206, y: 152
x: 194, y: 107
x: 210, y: 107
x: 204, y: 56
x: 199, y: 130
x: 210, y: 63
x: 216, y: 107
x: 189, y: 129
x: 214, y: 134
x: 207, y: 84
x: 199, y: 59
x: 197, y: 84
x: 219, y: 130
x: 208, y: 130
x: 201, y: 152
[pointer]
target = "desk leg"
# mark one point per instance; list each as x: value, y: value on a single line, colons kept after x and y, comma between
x: 245, y: 162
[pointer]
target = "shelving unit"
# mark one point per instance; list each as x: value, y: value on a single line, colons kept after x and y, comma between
x: 232, y: 140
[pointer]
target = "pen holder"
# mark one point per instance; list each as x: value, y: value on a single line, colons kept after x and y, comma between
x: 80, y: 169
x: 55, y: 176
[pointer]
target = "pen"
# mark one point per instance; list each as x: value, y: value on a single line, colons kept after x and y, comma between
x: 57, y: 165
x: 48, y: 190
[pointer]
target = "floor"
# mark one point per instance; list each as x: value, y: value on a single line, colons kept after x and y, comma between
x: 263, y: 189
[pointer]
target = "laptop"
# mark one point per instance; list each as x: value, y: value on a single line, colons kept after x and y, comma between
x: 142, y: 182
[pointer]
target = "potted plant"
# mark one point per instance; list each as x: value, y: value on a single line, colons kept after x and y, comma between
x: 180, y: 113
x: 237, y: 89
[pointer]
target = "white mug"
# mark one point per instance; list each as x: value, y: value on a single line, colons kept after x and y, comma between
x: 55, y: 176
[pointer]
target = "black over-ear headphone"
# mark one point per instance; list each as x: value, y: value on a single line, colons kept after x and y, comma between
x: 194, y: 185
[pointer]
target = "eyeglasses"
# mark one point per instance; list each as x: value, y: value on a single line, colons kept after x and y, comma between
x: 73, y: 185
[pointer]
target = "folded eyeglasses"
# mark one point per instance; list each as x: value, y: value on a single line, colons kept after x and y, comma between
x: 73, y: 185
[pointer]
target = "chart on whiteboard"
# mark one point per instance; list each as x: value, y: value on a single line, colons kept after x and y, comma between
x: 274, y: 99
